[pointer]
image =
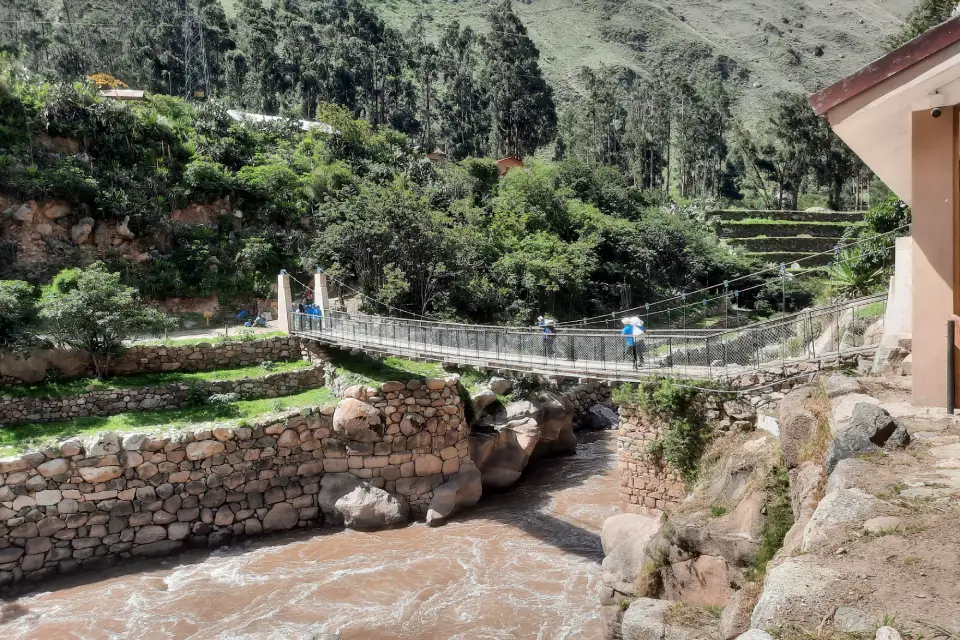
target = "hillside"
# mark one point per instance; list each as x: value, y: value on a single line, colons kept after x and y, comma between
x: 798, y: 45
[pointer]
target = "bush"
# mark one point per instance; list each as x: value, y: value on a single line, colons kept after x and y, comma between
x: 207, y: 180
x: 18, y: 315
x: 273, y: 189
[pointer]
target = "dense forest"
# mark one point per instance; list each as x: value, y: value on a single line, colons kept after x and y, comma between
x: 608, y: 214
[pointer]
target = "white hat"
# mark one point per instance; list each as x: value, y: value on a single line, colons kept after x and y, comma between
x: 632, y: 320
x: 625, y: 321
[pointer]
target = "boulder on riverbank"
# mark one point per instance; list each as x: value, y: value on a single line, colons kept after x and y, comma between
x: 503, y: 445
x: 345, y: 498
x: 462, y: 490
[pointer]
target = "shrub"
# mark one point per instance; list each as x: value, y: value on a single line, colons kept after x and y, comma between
x: 779, y: 519
x: 207, y: 180
x: 18, y: 315
x: 223, y: 398
x: 272, y: 189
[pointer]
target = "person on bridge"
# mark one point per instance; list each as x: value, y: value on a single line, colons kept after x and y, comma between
x: 633, y: 339
x: 549, y: 335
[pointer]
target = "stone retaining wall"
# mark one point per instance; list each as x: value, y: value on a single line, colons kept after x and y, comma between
x: 71, y: 363
x: 109, y: 498
x: 585, y: 395
x: 108, y: 402
x: 204, y: 356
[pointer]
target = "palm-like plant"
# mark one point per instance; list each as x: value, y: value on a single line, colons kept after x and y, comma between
x: 852, y: 277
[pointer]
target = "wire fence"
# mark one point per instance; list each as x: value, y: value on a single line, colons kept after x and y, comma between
x: 813, y: 334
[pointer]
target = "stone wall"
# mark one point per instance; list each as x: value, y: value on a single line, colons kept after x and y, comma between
x: 205, y: 356
x: 158, y: 358
x: 585, y: 395
x: 109, y: 498
x: 108, y: 402
x: 647, y: 486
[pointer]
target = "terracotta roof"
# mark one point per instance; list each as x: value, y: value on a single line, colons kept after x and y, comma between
x: 921, y: 47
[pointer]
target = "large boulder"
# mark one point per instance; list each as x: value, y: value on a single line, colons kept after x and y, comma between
x: 356, y: 420
x: 798, y: 424
x: 502, y: 445
x: 625, y: 540
x: 81, y: 231
x: 796, y: 590
x: 368, y: 508
x: 554, y: 416
x: 483, y: 399
x: 463, y: 489
x: 870, y: 427
x: 346, y: 499
x: 600, y: 417
x: 649, y: 619
x: 737, y: 480
x: 500, y: 386
x: 840, y: 515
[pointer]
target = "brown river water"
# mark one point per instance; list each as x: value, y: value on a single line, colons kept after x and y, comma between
x: 524, y: 564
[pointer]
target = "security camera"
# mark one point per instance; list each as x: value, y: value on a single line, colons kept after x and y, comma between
x: 935, y: 112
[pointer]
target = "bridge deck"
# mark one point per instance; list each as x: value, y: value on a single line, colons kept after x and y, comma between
x: 572, y: 353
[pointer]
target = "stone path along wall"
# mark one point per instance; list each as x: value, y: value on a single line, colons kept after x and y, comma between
x: 108, y: 402
x: 109, y: 498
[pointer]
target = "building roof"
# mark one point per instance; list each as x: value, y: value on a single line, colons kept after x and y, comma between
x: 123, y: 94
x: 305, y: 125
x: 920, y: 48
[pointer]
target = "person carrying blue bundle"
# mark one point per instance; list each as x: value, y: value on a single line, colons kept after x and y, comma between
x: 548, y: 334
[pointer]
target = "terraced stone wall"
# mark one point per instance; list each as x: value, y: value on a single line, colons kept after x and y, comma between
x: 205, y: 356
x: 108, y: 402
x: 112, y: 498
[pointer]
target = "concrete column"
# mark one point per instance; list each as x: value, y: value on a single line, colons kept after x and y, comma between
x: 321, y: 295
x: 934, y: 230
x: 284, y: 301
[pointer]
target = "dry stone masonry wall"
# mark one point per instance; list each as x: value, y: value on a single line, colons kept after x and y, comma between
x: 108, y: 402
x: 205, y: 356
x: 112, y: 497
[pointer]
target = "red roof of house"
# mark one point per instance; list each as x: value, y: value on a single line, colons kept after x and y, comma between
x: 921, y: 47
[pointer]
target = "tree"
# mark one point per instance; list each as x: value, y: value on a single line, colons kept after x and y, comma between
x: 18, y: 315
x: 97, y: 314
x: 522, y: 110
x: 463, y: 105
x: 925, y: 15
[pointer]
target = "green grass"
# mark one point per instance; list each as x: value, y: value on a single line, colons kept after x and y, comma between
x: 777, y: 523
x: 364, y: 369
x: 81, y: 385
x: 236, y: 337
x: 872, y: 310
x: 19, y: 438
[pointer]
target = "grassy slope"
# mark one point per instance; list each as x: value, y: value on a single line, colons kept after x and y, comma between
x: 776, y: 55
x: 359, y: 369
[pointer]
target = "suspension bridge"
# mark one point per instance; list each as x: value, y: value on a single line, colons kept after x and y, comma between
x: 820, y: 334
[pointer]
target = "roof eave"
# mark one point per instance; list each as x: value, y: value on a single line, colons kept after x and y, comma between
x: 921, y: 47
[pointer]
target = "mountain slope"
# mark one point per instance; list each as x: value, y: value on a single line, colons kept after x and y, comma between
x: 771, y: 45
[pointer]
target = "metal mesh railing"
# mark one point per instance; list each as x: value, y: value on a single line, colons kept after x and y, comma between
x: 813, y: 334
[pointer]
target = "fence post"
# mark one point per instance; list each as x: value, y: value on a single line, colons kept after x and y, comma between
x: 951, y: 368
x: 709, y: 360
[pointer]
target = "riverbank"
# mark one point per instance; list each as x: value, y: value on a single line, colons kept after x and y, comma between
x: 520, y: 565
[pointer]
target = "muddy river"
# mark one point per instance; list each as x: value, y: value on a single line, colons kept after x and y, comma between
x: 523, y: 565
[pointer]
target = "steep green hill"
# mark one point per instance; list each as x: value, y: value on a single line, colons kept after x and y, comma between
x: 767, y: 45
